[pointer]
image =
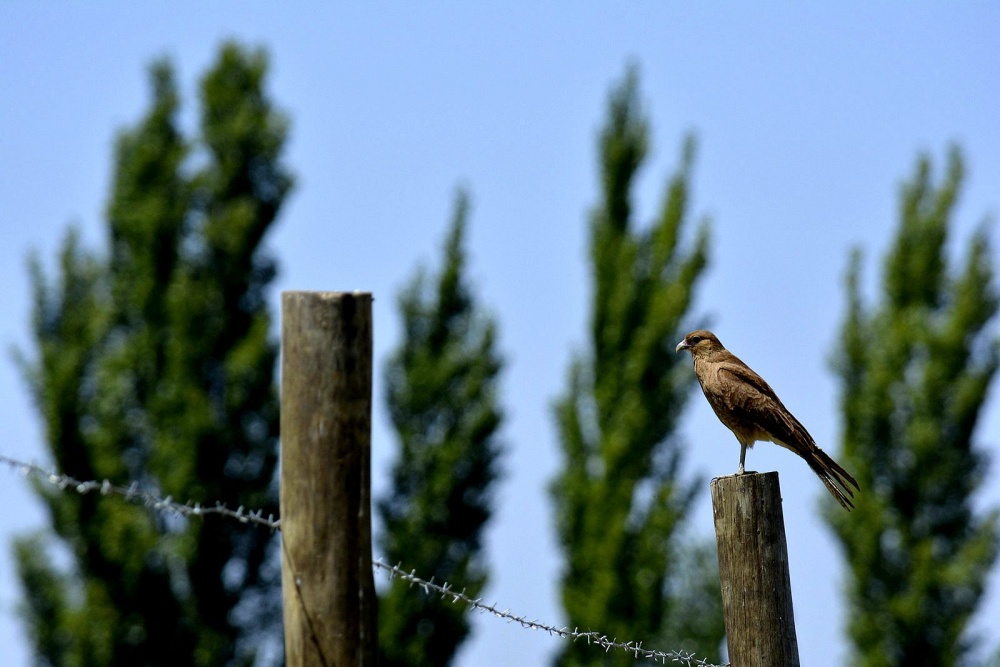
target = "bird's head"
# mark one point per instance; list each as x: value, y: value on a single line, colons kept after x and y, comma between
x: 699, y: 343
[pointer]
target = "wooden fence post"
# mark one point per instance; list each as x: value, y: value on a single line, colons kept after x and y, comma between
x: 328, y: 592
x: 753, y: 568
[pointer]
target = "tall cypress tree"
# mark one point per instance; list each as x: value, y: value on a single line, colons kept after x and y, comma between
x: 154, y: 363
x: 620, y: 501
x: 915, y: 369
x: 442, y: 396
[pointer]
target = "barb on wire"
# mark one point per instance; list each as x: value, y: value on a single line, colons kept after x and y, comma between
x: 132, y: 493
x: 447, y: 592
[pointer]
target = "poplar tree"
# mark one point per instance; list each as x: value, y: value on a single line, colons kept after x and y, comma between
x: 915, y: 369
x: 153, y: 363
x: 442, y: 393
x: 620, y: 500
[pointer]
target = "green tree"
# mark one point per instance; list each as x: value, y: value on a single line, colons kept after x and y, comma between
x: 154, y: 363
x: 620, y: 502
x: 442, y: 397
x: 914, y: 371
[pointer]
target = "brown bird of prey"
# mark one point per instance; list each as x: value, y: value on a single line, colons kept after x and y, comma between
x: 753, y: 412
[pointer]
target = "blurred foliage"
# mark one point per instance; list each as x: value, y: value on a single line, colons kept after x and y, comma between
x: 442, y: 393
x: 619, y: 500
x: 153, y: 363
x: 915, y: 370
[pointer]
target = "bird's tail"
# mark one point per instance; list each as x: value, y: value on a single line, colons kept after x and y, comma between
x: 833, y: 475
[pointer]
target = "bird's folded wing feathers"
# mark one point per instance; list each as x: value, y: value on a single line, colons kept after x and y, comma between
x: 753, y: 400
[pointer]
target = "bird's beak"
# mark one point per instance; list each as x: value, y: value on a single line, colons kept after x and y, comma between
x: 683, y: 345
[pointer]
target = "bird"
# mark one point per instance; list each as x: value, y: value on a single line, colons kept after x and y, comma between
x: 747, y: 405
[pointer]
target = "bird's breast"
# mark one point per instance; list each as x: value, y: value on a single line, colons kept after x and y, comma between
x: 723, y: 394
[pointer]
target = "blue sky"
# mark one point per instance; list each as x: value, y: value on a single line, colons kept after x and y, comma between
x: 807, y: 117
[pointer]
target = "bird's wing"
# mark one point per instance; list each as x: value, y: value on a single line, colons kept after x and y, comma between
x: 752, y: 400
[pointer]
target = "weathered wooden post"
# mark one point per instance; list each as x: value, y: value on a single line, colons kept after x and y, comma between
x: 753, y: 567
x: 328, y: 591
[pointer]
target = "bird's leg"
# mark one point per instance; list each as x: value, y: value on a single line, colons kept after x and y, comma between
x: 743, y: 458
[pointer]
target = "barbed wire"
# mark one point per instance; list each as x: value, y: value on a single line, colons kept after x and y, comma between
x: 447, y: 592
x: 133, y: 493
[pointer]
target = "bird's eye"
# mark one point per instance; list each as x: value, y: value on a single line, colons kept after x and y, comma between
x: 695, y: 339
